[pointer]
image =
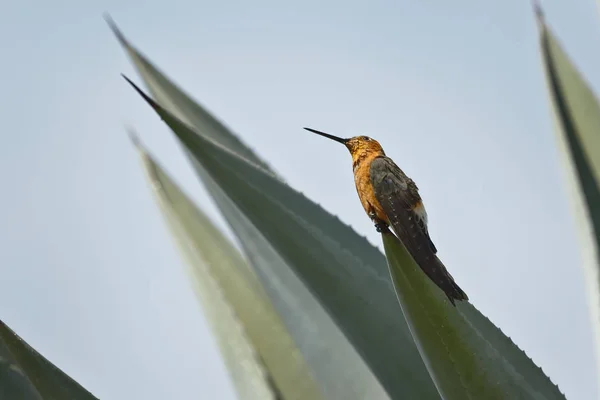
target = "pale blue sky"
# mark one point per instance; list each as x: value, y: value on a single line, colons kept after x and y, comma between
x: 454, y: 92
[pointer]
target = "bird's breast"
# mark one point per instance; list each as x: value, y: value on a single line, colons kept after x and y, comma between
x: 364, y: 187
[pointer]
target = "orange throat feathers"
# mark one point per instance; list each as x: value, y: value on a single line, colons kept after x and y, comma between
x: 362, y: 156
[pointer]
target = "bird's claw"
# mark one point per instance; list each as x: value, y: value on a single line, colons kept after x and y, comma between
x: 380, y: 227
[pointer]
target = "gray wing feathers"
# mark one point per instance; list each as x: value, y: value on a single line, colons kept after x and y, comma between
x: 403, y: 191
x: 397, y: 194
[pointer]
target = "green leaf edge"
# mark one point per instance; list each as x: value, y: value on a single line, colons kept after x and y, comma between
x: 578, y: 153
x: 49, y: 381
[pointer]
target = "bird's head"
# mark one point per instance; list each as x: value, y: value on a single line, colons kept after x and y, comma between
x: 359, y: 146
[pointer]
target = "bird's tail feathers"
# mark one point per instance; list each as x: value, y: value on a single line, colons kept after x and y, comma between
x: 450, y: 287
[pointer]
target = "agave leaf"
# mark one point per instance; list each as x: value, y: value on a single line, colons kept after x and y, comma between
x: 577, y: 119
x: 277, y: 263
x: 463, y: 364
x: 26, y: 374
x: 335, y: 364
x: 324, y: 345
x: 181, y: 105
x: 259, y: 352
x: 346, y: 274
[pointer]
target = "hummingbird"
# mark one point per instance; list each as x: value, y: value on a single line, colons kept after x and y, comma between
x: 390, y: 198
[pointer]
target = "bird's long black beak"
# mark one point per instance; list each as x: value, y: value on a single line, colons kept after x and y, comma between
x: 327, y: 135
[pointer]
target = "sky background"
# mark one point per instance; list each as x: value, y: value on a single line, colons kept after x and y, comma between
x: 454, y: 92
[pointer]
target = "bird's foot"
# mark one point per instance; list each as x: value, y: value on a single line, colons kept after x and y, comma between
x: 381, y: 227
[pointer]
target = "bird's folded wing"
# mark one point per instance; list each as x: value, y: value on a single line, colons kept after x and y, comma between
x: 399, y: 197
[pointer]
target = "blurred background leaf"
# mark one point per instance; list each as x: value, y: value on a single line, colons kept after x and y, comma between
x: 577, y: 119
x: 25, y: 374
x: 260, y: 354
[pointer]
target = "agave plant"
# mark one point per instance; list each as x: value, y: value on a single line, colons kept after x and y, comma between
x: 577, y: 120
x: 308, y: 309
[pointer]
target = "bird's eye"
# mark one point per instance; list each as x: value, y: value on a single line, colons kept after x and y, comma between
x: 366, y: 138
